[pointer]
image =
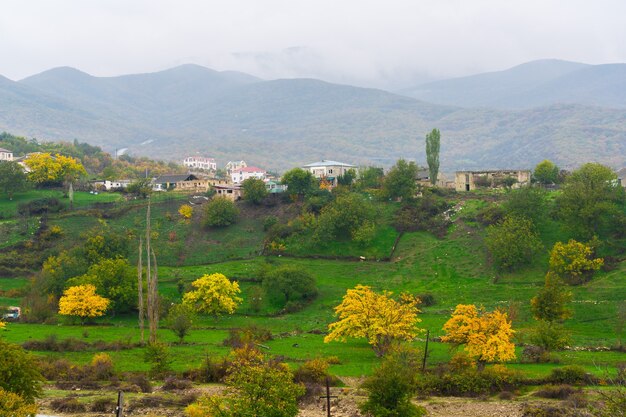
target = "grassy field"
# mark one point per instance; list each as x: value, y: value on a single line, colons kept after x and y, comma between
x: 454, y: 270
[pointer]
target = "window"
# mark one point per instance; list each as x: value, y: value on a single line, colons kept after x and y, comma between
x: 330, y: 171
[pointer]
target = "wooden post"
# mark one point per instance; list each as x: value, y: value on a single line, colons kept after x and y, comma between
x: 328, y: 397
x: 425, y: 351
x: 140, y: 290
x: 119, y: 410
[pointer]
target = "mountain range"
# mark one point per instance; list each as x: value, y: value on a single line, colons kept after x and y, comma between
x: 514, y: 118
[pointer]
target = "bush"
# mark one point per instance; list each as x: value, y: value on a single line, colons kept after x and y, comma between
x: 209, y: 372
x: 269, y: 222
x: 103, y: 405
x: 158, y: 356
x: 558, y: 392
x: 466, y: 381
x: 290, y: 287
x: 571, y: 374
x: 67, y: 405
x: 19, y: 372
x: 489, y: 215
x: 251, y: 335
x: 40, y: 206
x: 513, y: 242
x: 102, y: 366
x: 142, y: 382
x: 423, y: 214
x: 426, y: 300
x: 312, y: 371
x: 175, y: 384
x: 220, y: 212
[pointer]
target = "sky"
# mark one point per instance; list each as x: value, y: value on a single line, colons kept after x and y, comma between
x: 387, y: 44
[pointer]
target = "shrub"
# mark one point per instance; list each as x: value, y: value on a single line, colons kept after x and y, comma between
x: 142, y: 382
x: 290, y: 287
x: 571, y: 374
x: 513, y: 242
x: 559, y: 392
x: 312, y: 371
x: 269, y: 222
x: 426, y: 299
x: 209, y: 371
x: 425, y: 213
x: 175, y: 384
x: 13, y: 405
x: 489, y: 215
x: 102, y: 366
x: 158, y: 356
x: 67, y: 405
x: 103, y: 405
x: 19, y: 372
x: 392, y: 385
x: 40, y: 206
x: 220, y: 212
x: 247, y: 336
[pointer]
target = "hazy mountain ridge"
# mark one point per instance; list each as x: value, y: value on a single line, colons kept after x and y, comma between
x: 537, y: 83
x: 282, y: 123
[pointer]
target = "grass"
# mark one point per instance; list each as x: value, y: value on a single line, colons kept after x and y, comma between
x: 454, y: 270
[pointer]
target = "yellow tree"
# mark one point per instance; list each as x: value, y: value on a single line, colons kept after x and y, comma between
x: 378, y: 318
x: 185, y: 211
x: 14, y: 405
x: 573, y: 261
x: 45, y: 168
x: 214, y: 295
x: 486, y: 335
x: 82, y: 301
x: 3, y: 325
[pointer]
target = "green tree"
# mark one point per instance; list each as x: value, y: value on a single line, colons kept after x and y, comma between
x: 220, y: 212
x: 399, y: 183
x: 180, y: 320
x: 114, y: 279
x: 19, y: 373
x: 254, y: 190
x: 349, y: 215
x: 551, y: 302
x: 159, y: 356
x: 546, y: 172
x: 433, y: 140
x: 299, y: 182
x: 370, y: 177
x: 12, y: 178
x: 591, y: 202
x: 392, y: 385
x: 141, y: 187
x: 347, y: 178
x: 529, y: 202
x: 513, y: 242
x: 289, y: 286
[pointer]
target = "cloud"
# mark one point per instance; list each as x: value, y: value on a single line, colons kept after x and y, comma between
x: 379, y: 43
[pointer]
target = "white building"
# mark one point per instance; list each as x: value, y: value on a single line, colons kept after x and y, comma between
x: 244, y: 173
x: 328, y: 170
x: 6, y: 155
x: 233, y: 166
x: 110, y: 185
x: 199, y: 162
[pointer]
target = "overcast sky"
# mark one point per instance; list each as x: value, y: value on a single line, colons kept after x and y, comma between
x: 390, y: 43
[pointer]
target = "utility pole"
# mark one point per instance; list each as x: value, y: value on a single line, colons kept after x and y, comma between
x: 119, y: 410
x: 328, y: 397
x: 425, y: 351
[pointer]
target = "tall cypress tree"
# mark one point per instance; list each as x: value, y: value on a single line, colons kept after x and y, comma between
x: 432, y: 154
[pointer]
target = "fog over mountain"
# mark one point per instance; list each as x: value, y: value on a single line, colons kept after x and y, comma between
x: 285, y: 122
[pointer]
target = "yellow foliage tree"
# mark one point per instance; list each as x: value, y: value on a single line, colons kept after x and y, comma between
x: 185, y: 211
x: 379, y: 318
x: 573, y: 261
x: 82, y: 301
x: 214, y: 295
x: 47, y: 168
x: 3, y: 325
x: 486, y: 335
x: 14, y: 405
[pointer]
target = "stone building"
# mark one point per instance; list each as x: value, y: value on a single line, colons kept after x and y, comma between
x: 471, y: 180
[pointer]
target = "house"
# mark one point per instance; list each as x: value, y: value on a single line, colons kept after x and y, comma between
x: 471, y: 180
x: 244, y: 173
x: 109, y: 185
x: 170, y: 182
x: 198, y: 162
x: 423, y: 178
x: 328, y: 170
x: 6, y: 155
x: 232, y: 192
x: 232, y: 166
x: 274, y: 187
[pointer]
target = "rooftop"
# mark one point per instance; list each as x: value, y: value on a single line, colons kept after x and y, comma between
x: 251, y: 169
x: 327, y: 163
x: 5, y: 150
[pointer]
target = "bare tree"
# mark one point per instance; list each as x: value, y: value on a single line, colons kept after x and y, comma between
x: 140, y: 302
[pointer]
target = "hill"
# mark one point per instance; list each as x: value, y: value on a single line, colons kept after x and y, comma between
x: 537, y: 83
x: 281, y: 123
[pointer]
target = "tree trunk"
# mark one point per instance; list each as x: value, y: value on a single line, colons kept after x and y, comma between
x: 140, y: 302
